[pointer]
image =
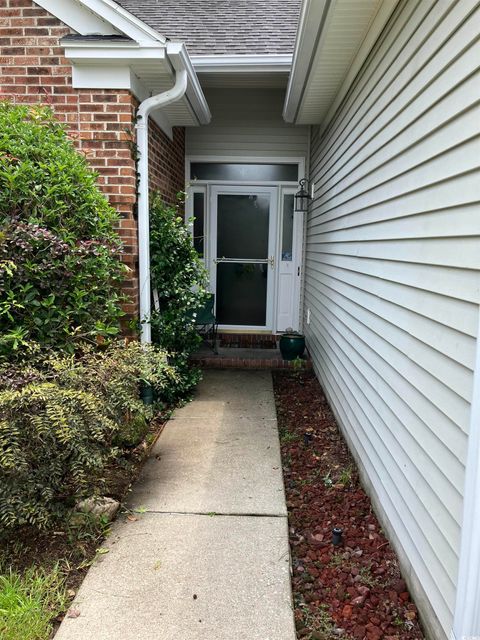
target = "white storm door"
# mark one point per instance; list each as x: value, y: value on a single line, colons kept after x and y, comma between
x: 242, y: 255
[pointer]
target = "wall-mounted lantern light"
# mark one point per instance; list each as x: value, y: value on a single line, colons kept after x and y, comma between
x: 302, y: 197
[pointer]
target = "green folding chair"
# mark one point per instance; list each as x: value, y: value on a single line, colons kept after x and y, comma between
x: 206, y: 323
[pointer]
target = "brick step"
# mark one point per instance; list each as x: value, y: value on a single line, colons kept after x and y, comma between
x: 243, y: 358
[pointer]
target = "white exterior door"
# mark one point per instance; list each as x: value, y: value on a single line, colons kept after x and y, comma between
x: 242, y: 255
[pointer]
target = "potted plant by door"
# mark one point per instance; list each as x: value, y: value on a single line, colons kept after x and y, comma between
x: 292, y: 344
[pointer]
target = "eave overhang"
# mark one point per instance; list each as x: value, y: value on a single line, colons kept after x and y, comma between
x: 334, y: 38
x: 112, y: 49
x: 143, y: 69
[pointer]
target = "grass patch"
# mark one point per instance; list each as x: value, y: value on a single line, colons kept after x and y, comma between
x: 30, y: 602
x: 287, y: 436
x: 318, y: 622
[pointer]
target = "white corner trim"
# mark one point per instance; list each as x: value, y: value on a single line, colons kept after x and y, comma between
x: 78, y: 17
x: 242, y: 63
x: 467, y: 608
x: 310, y: 27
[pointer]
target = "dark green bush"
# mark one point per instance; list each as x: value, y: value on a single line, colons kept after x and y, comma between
x: 179, y: 278
x: 60, y: 421
x: 60, y: 270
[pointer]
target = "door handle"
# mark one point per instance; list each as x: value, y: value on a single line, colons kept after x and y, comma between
x: 271, y: 261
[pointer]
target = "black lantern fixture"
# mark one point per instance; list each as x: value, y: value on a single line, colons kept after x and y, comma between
x: 302, y: 197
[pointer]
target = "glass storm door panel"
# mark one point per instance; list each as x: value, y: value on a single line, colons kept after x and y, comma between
x: 243, y: 260
x: 287, y: 269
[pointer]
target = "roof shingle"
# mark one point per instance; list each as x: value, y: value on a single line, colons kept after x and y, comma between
x: 233, y: 27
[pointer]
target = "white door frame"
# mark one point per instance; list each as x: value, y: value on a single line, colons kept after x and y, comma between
x: 242, y: 188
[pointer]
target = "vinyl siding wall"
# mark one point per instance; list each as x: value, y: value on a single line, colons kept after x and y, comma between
x: 247, y: 123
x: 392, y: 278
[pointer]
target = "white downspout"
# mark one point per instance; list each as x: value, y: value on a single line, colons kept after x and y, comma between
x: 144, y: 110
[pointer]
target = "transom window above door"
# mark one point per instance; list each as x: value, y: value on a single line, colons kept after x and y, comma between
x: 244, y: 172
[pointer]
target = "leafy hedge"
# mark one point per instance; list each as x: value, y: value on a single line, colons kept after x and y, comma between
x: 59, y: 253
x: 63, y: 422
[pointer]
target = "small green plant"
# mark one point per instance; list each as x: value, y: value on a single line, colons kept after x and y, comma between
x: 337, y: 560
x: 366, y: 576
x: 30, y: 602
x: 398, y: 622
x: 287, y: 436
x: 345, y: 476
x: 327, y: 479
x: 83, y: 526
x: 318, y: 623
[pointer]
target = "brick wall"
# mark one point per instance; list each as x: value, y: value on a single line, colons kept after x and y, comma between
x: 167, y: 162
x: 33, y: 70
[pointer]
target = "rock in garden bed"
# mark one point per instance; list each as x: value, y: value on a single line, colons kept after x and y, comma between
x: 353, y: 590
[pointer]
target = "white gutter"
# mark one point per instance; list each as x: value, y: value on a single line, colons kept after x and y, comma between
x: 272, y: 63
x: 146, y: 107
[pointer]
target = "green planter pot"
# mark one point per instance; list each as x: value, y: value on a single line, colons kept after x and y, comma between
x: 292, y: 345
x: 146, y: 393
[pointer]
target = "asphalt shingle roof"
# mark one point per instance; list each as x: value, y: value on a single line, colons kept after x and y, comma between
x: 222, y: 26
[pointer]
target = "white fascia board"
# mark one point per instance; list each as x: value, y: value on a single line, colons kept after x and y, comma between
x: 106, y: 53
x: 242, y: 63
x: 123, y: 20
x: 310, y: 27
x: 177, y: 54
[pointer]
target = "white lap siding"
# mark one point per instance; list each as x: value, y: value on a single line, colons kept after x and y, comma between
x: 247, y: 123
x: 392, y: 277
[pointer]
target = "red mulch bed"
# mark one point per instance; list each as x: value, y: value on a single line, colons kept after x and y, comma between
x: 354, y: 590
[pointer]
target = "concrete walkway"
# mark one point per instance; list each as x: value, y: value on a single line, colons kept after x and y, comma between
x: 209, y: 557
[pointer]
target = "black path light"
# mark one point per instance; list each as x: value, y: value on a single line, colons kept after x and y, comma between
x: 302, y: 197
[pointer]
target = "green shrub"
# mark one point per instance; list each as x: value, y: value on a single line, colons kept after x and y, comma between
x: 179, y: 278
x: 60, y: 421
x: 54, y: 444
x: 60, y: 268
x: 114, y: 375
